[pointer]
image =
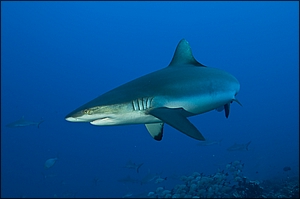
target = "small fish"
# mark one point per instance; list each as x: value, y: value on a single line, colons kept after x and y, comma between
x: 237, y: 162
x: 287, y: 168
x: 239, y: 147
x: 96, y: 180
x: 22, y: 123
x: 128, y: 195
x: 228, y: 166
x: 50, y: 162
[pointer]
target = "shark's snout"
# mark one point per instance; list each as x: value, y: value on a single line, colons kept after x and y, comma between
x: 75, y: 117
x: 71, y: 119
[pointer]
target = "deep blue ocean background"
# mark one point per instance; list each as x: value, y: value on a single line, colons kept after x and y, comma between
x: 56, y: 56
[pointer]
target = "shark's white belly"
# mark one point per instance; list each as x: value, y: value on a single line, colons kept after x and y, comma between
x: 133, y: 117
x: 135, y: 112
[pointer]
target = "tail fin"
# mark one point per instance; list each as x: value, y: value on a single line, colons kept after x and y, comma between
x: 40, y: 123
x: 248, y: 145
x: 137, y: 169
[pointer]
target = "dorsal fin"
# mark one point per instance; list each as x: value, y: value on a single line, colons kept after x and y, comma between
x: 183, y: 55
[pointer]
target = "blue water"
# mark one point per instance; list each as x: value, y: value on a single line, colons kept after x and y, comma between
x: 56, y: 56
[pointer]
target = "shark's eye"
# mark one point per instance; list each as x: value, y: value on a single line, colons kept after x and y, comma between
x: 86, y: 111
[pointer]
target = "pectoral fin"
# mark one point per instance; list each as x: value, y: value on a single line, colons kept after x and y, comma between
x: 155, y: 130
x: 176, y: 117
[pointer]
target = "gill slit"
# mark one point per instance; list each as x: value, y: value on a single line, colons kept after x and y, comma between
x: 142, y: 103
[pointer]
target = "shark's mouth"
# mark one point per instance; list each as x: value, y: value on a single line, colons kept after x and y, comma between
x: 102, y: 121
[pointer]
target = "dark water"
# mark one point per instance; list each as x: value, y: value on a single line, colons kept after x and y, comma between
x: 56, y: 56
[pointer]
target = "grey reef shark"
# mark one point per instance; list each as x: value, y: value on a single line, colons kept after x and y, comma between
x: 184, y: 88
x: 239, y: 147
x: 132, y: 165
x: 23, y: 123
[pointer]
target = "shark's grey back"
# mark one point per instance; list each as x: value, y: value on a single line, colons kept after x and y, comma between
x: 170, y: 81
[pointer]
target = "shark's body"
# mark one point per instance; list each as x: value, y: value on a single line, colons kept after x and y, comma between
x: 160, y: 180
x: 132, y: 165
x: 149, y: 178
x: 239, y: 147
x: 170, y: 95
x: 23, y: 123
x: 209, y: 142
